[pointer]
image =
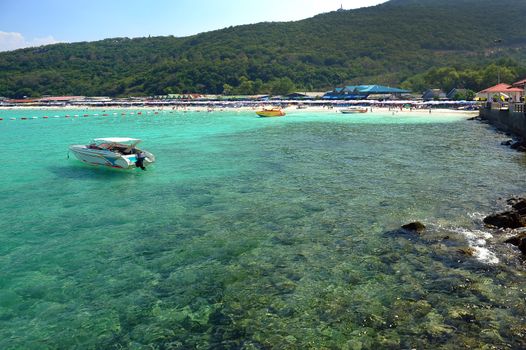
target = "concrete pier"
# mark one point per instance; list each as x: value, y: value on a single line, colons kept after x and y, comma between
x: 508, y: 118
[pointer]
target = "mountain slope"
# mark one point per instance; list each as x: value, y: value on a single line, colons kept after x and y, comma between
x: 385, y: 44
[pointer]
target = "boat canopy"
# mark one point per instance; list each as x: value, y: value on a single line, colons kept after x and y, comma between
x: 122, y: 140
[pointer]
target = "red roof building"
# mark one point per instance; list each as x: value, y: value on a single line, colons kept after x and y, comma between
x: 502, y: 91
x: 501, y: 88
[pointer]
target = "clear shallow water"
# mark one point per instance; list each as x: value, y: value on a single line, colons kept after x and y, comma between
x: 252, y: 233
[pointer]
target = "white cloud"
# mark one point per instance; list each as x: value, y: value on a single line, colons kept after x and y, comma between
x: 12, y: 41
x: 46, y: 40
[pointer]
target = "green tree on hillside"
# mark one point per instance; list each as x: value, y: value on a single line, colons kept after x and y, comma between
x: 281, y: 86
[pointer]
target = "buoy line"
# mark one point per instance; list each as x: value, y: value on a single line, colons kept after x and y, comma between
x: 83, y: 115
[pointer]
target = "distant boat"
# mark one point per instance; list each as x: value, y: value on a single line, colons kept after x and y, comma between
x: 271, y: 112
x: 354, y: 109
x: 113, y: 152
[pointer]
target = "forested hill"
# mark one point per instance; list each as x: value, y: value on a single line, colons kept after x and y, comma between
x: 401, y: 41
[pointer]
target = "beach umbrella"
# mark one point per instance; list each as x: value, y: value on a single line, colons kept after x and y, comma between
x: 502, y: 97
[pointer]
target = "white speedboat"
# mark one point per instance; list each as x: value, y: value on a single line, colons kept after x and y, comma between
x: 114, y: 152
x: 354, y: 109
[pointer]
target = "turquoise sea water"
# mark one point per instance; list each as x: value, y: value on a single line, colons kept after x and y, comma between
x: 255, y: 233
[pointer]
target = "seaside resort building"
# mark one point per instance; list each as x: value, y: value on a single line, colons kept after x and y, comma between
x: 505, y: 107
x: 504, y: 96
x: 502, y: 93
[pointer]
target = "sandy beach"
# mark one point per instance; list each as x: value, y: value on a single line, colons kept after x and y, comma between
x: 213, y: 108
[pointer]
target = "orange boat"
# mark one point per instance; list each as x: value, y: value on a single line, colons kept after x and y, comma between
x: 271, y: 112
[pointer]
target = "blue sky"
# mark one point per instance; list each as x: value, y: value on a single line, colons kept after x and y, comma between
x: 26, y: 23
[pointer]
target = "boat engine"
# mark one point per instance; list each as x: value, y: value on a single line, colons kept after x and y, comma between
x: 139, y: 163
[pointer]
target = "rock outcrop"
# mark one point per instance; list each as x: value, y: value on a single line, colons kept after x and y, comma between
x: 518, y: 241
x: 514, y: 218
x: 520, y: 146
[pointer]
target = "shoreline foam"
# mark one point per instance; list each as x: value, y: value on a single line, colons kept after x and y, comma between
x: 468, y: 113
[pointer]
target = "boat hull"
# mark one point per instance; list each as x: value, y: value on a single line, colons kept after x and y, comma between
x: 270, y: 113
x: 354, y: 110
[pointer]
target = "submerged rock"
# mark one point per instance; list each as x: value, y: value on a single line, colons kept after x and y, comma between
x: 518, y: 241
x: 416, y: 226
x: 469, y: 251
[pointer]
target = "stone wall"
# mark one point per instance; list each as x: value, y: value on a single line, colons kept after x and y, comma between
x: 512, y: 121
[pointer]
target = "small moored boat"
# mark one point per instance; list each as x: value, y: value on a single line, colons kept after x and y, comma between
x: 114, y: 152
x: 354, y: 109
x: 271, y: 112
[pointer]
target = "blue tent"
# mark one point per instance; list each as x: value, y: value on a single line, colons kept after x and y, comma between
x: 373, y: 89
x: 358, y: 92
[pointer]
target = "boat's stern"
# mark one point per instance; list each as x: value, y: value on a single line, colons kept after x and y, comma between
x: 130, y: 161
x: 150, y: 158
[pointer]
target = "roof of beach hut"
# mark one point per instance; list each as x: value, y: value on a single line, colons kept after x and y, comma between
x: 502, y: 87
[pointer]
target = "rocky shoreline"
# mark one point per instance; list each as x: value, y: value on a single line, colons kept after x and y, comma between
x: 518, y: 145
x: 506, y: 222
x: 514, y: 218
x: 515, y: 143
